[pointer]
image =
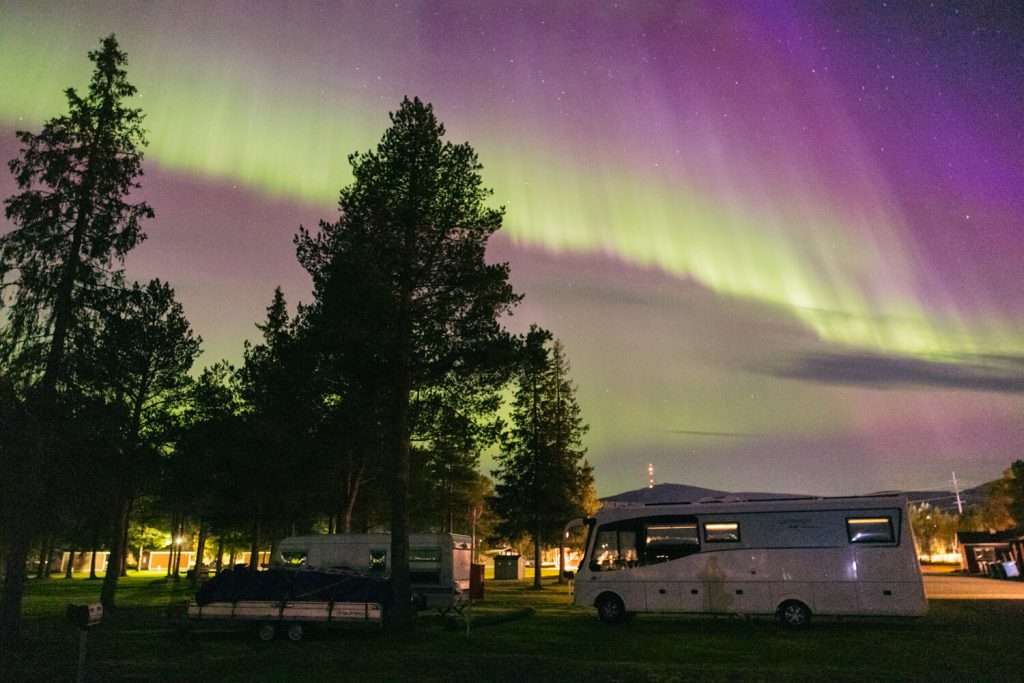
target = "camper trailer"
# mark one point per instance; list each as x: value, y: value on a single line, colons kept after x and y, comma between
x: 792, y: 557
x: 438, y: 563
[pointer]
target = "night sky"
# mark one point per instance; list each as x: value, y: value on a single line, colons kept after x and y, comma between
x: 782, y: 242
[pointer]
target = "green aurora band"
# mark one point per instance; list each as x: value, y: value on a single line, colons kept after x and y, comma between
x: 848, y: 275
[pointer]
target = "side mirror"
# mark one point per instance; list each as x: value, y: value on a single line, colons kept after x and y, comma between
x: 84, y: 616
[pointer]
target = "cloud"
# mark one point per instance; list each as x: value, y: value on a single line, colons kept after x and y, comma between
x: 695, y: 432
x: 1003, y: 374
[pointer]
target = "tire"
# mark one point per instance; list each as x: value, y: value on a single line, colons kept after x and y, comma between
x: 266, y: 631
x: 610, y: 609
x: 296, y: 631
x: 794, y: 614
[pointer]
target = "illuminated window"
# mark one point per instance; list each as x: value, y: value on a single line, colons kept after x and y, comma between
x: 613, y: 550
x: 722, y: 532
x: 295, y: 556
x: 870, y: 530
x: 378, y: 561
x: 666, y: 542
x: 424, y: 555
x: 425, y: 565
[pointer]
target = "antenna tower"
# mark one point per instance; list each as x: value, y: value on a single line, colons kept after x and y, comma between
x: 956, y: 490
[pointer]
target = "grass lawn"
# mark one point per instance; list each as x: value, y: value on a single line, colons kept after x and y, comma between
x: 957, y: 641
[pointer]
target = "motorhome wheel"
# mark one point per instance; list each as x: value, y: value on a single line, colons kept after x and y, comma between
x: 610, y: 608
x: 794, y: 614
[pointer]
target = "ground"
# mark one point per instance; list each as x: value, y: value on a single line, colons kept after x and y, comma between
x: 959, y: 640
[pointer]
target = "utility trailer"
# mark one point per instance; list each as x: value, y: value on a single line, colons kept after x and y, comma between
x: 289, y: 599
x: 294, y: 618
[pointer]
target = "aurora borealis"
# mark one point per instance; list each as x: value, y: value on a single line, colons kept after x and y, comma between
x: 781, y: 241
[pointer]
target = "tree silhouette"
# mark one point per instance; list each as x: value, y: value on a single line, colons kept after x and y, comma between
x: 543, y: 477
x: 403, y: 276
x: 140, y: 363
x: 280, y: 412
x: 73, y: 226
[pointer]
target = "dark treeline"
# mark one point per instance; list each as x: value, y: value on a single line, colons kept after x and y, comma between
x: 368, y: 408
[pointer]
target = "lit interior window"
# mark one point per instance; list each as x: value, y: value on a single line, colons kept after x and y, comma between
x: 870, y: 530
x: 722, y: 532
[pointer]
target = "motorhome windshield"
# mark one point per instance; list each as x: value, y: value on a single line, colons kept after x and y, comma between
x: 642, y: 541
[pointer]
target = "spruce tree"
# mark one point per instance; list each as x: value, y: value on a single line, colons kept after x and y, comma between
x: 544, y: 479
x: 73, y: 224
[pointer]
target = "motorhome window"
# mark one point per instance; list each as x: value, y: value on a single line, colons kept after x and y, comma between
x: 295, y: 556
x: 425, y: 565
x: 614, y: 549
x: 666, y: 542
x: 870, y: 530
x: 424, y: 555
x: 722, y: 532
x: 378, y: 560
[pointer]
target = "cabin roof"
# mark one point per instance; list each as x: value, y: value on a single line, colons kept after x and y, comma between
x: 982, y: 537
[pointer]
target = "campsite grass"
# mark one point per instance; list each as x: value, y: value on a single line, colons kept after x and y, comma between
x: 958, y: 640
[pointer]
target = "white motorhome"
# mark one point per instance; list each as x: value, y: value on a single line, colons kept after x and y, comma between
x: 439, y: 564
x: 790, y: 557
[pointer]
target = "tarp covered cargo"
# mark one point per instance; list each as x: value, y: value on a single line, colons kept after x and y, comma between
x: 281, y: 584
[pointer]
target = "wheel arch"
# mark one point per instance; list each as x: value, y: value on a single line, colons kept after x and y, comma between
x: 782, y: 599
x: 609, y: 593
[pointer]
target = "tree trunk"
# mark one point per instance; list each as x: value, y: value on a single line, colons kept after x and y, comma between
x: 231, y: 558
x: 16, y: 552
x: 92, y: 559
x: 44, y: 546
x: 536, y: 561
x: 352, y: 487
x: 124, y: 540
x: 254, y: 555
x: 176, y: 574
x: 402, y: 613
x: 71, y: 564
x: 219, y: 564
x: 116, y: 554
x: 174, y: 544
x: 48, y: 561
x: 350, y: 508
x: 200, y: 551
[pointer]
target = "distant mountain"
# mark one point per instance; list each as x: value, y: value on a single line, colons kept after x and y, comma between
x: 663, y: 494
x: 946, y: 500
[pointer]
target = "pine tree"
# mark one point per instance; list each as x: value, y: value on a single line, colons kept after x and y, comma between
x: 279, y: 412
x: 402, y: 281
x: 544, y: 478
x: 73, y: 226
x: 139, y: 365
x: 74, y: 223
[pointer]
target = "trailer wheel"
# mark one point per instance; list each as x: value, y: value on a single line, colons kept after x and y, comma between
x: 610, y: 608
x: 296, y: 631
x: 794, y: 614
x: 266, y: 631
